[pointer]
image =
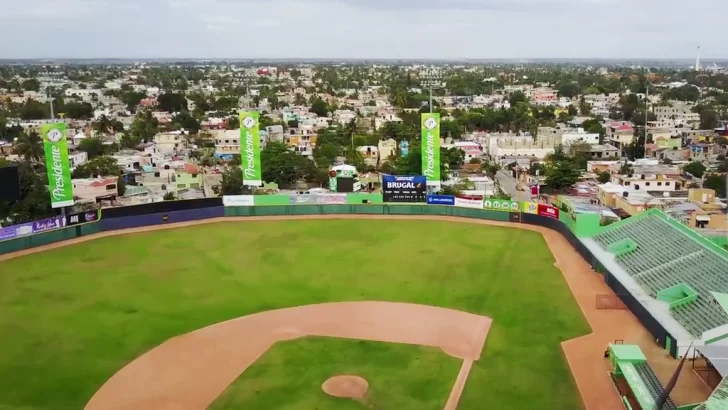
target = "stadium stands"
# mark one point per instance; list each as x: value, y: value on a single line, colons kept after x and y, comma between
x: 666, y: 256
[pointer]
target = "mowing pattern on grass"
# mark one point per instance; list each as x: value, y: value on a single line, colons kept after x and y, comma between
x: 74, y: 316
x: 289, y: 376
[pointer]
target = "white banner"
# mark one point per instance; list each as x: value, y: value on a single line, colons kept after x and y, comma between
x: 328, y: 199
x: 469, y: 203
x: 238, y: 200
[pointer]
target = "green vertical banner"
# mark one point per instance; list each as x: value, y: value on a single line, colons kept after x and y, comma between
x: 431, y: 148
x: 55, y: 145
x: 250, y: 148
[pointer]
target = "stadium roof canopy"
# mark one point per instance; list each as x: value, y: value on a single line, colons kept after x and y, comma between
x: 718, y: 357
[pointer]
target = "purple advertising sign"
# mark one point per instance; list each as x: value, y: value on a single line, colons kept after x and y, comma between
x: 49, y: 224
x: 11, y: 232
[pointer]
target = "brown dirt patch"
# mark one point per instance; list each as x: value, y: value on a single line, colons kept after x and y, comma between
x: 346, y: 386
x: 584, y: 354
x: 196, y: 367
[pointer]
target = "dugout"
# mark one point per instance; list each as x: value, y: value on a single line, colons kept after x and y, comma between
x: 634, y: 379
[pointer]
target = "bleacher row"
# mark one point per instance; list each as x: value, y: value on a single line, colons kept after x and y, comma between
x: 653, y: 384
x: 665, y: 257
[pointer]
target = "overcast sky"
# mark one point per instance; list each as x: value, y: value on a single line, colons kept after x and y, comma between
x: 363, y: 28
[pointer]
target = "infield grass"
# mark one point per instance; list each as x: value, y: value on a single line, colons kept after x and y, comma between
x: 71, y: 317
x: 290, y: 374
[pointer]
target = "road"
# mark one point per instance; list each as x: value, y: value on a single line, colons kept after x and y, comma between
x: 508, y: 184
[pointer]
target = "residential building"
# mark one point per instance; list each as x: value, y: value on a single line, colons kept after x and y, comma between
x: 578, y: 135
x: 385, y: 117
x: 677, y: 110
x: 227, y: 144
x: 170, y: 142
x: 604, y: 151
x: 96, y: 189
x: 344, y: 117
x: 387, y: 149
x: 275, y: 133
x: 370, y: 154
x: 500, y: 146
x: 619, y: 134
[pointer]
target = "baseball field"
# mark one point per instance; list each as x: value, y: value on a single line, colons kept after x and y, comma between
x: 72, y: 317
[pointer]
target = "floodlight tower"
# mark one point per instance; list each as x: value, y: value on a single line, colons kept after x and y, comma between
x: 431, y: 77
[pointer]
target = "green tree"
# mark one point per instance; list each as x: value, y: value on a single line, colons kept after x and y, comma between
x: 233, y: 123
x: 120, y: 186
x: 320, y: 107
x: 31, y: 84
x: 569, y: 90
x: 29, y: 147
x: 78, y: 110
x: 170, y: 196
x: 94, y: 147
x: 561, y: 174
x: 604, y: 177
x: 696, y: 169
x: 232, y: 181
x: 172, y: 102
x: 103, y: 166
x: 34, y: 200
x: 185, y: 120
x: 517, y: 97
x: 103, y: 124
x: 709, y: 119
x: 144, y: 127
x: 716, y: 182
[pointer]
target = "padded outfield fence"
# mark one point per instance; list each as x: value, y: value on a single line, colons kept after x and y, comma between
x: 169, y: 212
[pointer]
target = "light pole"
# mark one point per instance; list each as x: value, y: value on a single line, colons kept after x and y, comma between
x: 431, y: 77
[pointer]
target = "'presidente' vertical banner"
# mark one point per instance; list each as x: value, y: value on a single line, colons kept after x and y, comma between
x: 431, y: 148
x: 250, y: 148
x: 55, y: 146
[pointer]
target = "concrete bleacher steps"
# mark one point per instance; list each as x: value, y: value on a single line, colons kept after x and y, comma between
x: 666, y: 256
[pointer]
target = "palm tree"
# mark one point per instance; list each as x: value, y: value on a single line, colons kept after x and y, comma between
x: 103, y: 124
x: 29, y: 146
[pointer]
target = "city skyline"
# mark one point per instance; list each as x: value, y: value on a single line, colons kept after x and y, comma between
x: 361, y: 29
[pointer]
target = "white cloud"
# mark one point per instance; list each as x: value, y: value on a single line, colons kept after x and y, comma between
x: 361, y: 28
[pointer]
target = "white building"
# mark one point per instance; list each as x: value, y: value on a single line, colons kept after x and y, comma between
x: 579, y: 136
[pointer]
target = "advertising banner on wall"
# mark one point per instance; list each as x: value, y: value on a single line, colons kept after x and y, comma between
x: 396, y: 188
x: 440, y: 200
x: 49, y: 224
x: 548, y: 210
x: 55, y: 146
x: 250, y: 148
x: 330, y: 199
x: 83, y: 217
x: 12, y: 232
x: 469, y: 203
x: 530, y: 208
x: 306, y: 199
x: 431, y: 148
x: 505, y: 205
x: 238, y: 200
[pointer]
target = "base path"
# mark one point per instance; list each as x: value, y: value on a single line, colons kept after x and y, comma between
x: 585, y: 354
x: 191, y: 370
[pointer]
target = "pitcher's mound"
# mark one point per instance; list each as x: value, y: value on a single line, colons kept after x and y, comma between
x: 353, y: 387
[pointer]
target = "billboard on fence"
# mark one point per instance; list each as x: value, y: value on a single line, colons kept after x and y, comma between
x: 404, y: 188
x: 469, y: 203
x: 55, y: 146
x: 329, y: 199
x: 441, y: 200
x: 49, y: 224
x: 83, y: 217
x: 12, y: 232
x: 307, y: 199
x: 530, y: 208
x: 430, y: 123
x: 548, y: 210
x: 250, y: 148
x: 501, y: 205
x: 238, y: 200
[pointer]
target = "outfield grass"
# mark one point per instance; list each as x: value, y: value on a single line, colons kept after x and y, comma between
x: 289, y: 376
x: 71, y: 317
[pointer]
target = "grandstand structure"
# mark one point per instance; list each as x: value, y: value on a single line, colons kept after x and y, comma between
x: 636, y: 382
x: 718, y: 400
x: 672, y: 273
